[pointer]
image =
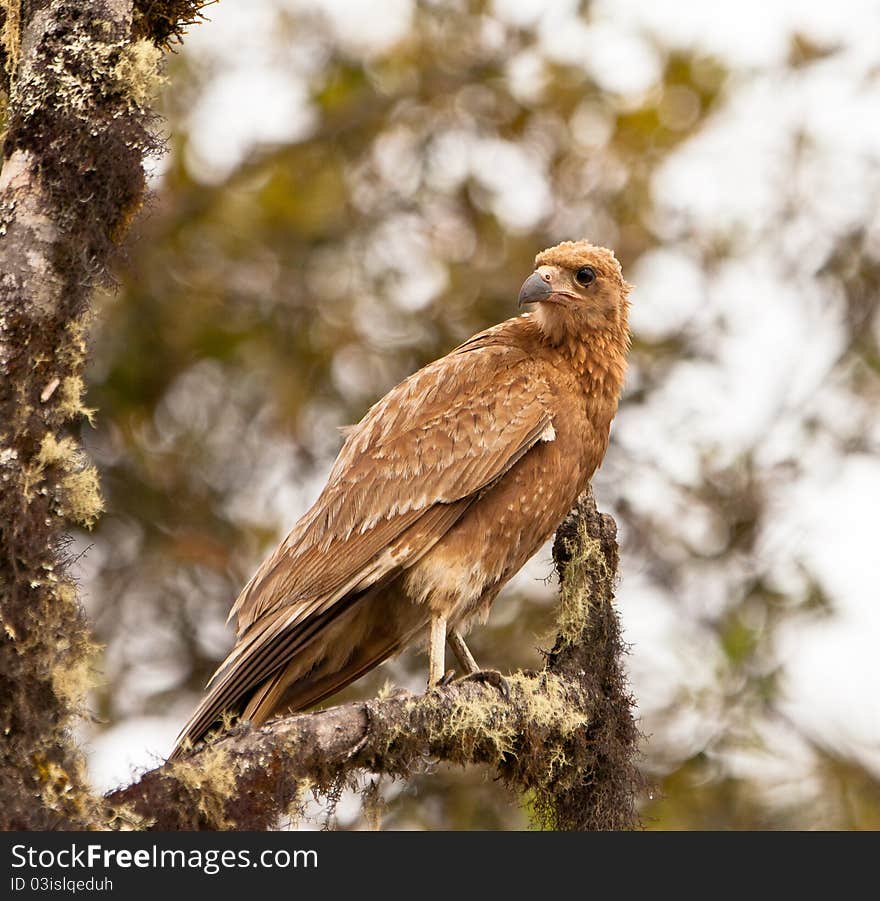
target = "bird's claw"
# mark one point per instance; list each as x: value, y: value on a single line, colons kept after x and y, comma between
x: 446, y: 679
x: 491, y: 677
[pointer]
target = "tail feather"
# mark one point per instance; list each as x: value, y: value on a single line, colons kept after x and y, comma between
x: 301, y: 694
x: 292, y: 654
x: 252, y: 686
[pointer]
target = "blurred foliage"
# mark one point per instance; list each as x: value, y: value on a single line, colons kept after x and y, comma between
x: 260, y: 309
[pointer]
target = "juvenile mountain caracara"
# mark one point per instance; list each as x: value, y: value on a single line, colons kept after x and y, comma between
x: 447, y: 486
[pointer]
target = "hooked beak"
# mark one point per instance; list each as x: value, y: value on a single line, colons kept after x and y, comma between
x: 534, y: 289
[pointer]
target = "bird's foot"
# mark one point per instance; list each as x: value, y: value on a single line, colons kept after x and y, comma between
x: 447, y: 678
x: 490, y: 677
x: 443, y: 681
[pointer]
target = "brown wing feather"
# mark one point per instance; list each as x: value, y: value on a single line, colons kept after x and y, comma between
x: 277, y: 690
x: 441, y: 435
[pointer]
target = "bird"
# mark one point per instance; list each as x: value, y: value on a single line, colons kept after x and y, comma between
x: 439, y: 495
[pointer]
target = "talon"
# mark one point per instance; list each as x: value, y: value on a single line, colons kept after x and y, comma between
x: 491, y: 677
x: 447, y: 678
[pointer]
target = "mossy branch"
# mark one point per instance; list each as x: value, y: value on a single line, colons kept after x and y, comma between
x: 565, y: 735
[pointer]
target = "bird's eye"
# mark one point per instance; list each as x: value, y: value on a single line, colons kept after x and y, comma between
x: 585, y: 276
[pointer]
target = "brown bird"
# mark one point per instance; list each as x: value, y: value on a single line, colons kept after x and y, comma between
x: 445, y: 488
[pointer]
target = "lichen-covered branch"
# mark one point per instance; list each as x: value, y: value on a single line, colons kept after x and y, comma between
x: 565, y: 735
x: 589, y: 651
x: 76, y: 78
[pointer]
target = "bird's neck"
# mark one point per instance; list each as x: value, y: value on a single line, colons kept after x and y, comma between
x: 598, y: 358
x: 596, y: 355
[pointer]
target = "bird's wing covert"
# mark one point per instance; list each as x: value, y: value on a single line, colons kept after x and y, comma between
x: 440, y: 436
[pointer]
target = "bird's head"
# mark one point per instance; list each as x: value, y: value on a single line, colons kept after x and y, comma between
x: 577, y: 287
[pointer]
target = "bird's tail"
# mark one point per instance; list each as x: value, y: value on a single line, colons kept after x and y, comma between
x: 308, y: 674
x: 283, y: 692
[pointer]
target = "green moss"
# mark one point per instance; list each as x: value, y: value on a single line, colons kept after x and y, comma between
x: 546, y: 699
x: 138, y: 71
x: 75, y: 675
x: 81, y: 501
x: 10, y: 36
x: 209, y: 782
x: 59, y: 786
x: 73, y: 350
x: 474, y: 722
x: 79, y: 497
x: 386, y: 691
x: 70, y: 394
x: 586, y: 569
x: 56, y: 453
x: 123, y: 818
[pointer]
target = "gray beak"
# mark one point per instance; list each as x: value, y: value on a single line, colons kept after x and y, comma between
x: 534, y: 289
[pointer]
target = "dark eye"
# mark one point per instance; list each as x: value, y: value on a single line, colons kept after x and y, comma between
x: 585, y: 276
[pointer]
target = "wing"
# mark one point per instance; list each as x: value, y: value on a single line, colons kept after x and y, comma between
x: 441, y: 436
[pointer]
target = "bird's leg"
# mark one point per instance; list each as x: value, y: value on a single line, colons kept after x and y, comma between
x: 462, y: 652
x: 437, y: 651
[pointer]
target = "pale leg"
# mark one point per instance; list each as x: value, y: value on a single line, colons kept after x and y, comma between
x: 462, y: 652
x: 437, y: 651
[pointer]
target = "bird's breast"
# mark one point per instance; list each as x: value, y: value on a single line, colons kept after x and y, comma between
x: 500, y: 531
